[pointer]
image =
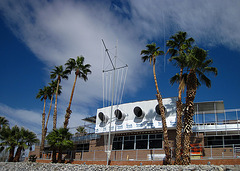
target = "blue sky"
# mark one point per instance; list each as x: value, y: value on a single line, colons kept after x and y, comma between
x: 38, y: 35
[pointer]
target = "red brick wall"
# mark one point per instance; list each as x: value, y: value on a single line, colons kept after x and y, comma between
x: 131, y: 163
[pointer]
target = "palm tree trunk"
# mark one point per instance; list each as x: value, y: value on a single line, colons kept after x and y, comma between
x: 43, y: 122
x: 164, y: 123
x: 68, y: 111
x: 11, y: 154
x: 45, y: 130
x: 60, y: 155
x: 54, y: 152
x: 55, y: 108
x: 188, y: 115
x: 18, y: 154
x: 178, y: 160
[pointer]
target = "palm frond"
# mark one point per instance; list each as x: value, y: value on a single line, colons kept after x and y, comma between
x: 175, y: 79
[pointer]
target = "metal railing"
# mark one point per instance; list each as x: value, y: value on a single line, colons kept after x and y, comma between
x: 206, y: 152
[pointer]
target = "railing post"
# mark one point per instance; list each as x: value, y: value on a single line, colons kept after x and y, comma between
x: 233, y: 151
x: 121, y: 154
x: 211, y: 152
x: 136, y: 154
x: 82, y: 154
x: 153, y: 153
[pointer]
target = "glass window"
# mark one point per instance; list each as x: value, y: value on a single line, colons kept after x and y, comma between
x: 138, y: 137
x: 145, y: 137
x: 132, y: 137
x: 152, y: 136
x: 83, y: 147
x: 128, y: 145
x: 120, y: 138
x: 155, y: 144
x: 159, y: 136
x: 218, y: 138
x: 141, y: 144
x: 117, y: 145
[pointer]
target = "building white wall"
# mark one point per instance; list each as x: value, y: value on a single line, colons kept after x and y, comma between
x: 150, y: 121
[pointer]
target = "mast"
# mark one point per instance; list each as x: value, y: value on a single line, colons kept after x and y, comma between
x: 113, y: 63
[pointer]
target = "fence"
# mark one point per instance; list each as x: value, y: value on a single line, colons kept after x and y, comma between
x: 197, y: 152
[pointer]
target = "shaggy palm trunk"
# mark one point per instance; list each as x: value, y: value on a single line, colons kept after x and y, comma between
x: 178, y: 160
x: 188, y: 115
x: 164, y: 124
x: 55, y: 108
x: 11, y: 154
x: 43, y: 123
x: 68, y: 111
x: 45, y: 130
x: 18, y: 154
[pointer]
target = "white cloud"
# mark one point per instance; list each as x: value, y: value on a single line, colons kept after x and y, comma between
x: 211, y: 23
x: 23, y: 118
x: 57, y: 30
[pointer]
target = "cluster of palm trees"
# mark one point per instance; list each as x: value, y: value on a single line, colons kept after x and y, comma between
x: 54, y: 89
x: 193, y: 63
x: 15, y: 137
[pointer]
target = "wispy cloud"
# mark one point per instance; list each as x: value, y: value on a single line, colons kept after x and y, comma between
x: 32, y: 120
x: 57, y: 30
x: 27, y: 118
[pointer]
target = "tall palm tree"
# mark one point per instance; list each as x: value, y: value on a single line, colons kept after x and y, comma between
x: 25, y: 138
x: 44, y: 94
x: 3, y: 122
x: 53, y: 86
x: 59, y: 73
x: 179, y: 45
x: 150, y: 54
x: 81, y: 71
x: 52, y: 89
x: 198, y: 64
x: 59, y: 139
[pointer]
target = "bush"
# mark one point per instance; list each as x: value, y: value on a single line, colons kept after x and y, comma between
x: 32, y: 158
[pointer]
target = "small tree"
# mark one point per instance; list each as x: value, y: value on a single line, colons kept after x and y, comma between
x: 59, y: 139
x: 80, y: 131
x: 3, y: 122
x: 26, y: 139
x: 9, y: 137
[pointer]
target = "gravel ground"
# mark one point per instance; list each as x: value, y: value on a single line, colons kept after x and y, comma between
x: 28, y: 166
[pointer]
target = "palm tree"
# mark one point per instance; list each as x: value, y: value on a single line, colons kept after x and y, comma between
x: 198, y: 65
x: 43, y: 94
x: 59, y: 73
x: 178, y: 47
x: 81, y: 71
x: 53, y: 87
x: 3, y: 122
x: 150, y: 54
x: 25, y: 139
x: 9, y: 137
x: 80, y: 131
x: 59, y: 139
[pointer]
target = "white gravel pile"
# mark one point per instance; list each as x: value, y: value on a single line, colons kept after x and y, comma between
x: 29, y: 166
